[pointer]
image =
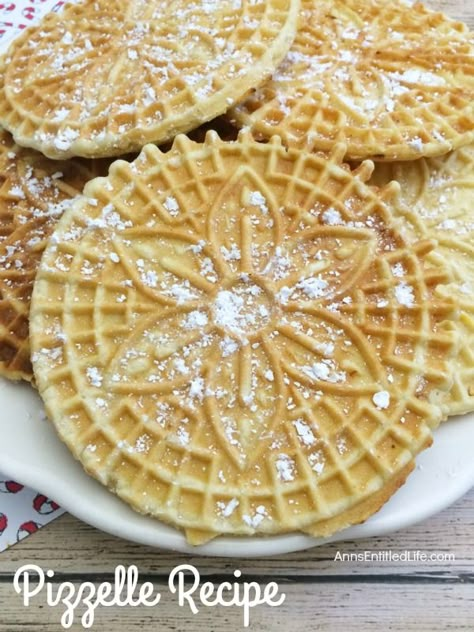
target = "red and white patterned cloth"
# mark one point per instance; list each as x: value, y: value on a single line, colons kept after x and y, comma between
x: 16, y: 16
x: 22, y: 511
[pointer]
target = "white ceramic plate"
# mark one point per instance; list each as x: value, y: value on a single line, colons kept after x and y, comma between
x: 31, y: 453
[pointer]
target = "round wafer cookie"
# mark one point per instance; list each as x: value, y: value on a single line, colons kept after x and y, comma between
x: 393, y: 81
x: 236, y: 339
x: 34, y: 192
x: 437, y: 202
x: 104, y: 78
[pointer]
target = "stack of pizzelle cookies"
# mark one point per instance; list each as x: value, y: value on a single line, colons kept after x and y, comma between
x: 253, y: 326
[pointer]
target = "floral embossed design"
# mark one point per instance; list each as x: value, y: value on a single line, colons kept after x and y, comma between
x: 235, y: 337
x: 150, y: 70
x: 241, y: 311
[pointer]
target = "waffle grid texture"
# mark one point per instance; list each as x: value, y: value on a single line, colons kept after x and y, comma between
x: 235, y: 338
x: 104, y: 78
x: 34, y: 192
x: 393, y: 81
x: 437, y: 202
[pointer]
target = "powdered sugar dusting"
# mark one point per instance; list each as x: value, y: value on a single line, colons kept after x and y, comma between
x: 382, y: 400
x: 404, y: 294
x: 285, y: 468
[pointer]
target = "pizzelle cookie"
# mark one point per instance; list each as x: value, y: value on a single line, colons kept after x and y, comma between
x: 34, y: 192
x: 437, y: 198
x: 235, y: 338
x: 391, y: 80
x: 104, y: 78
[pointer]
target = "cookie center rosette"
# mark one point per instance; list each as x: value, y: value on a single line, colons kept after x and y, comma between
x: 236, y: 338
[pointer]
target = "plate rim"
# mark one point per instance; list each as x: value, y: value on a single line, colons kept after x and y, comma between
x: 157, y: 534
